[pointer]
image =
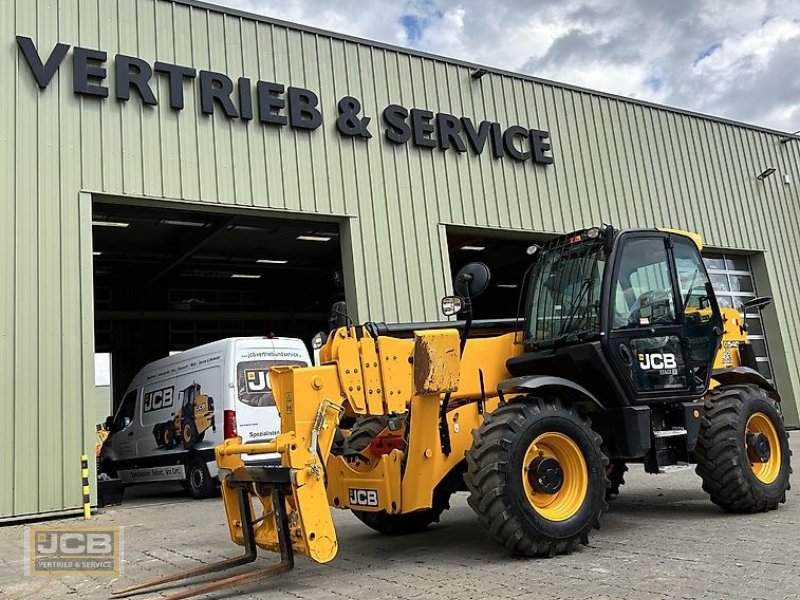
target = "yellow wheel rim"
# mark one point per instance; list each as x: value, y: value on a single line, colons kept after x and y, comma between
x: 766, y: 472
x: 564, y: 503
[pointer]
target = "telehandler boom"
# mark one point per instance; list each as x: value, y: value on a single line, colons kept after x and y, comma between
x: 622, y: 356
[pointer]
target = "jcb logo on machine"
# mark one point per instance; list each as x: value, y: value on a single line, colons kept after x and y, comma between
x: 359, y: 497
x: 665, y: 364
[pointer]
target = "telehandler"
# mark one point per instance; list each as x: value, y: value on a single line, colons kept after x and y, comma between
x: 622, y: 355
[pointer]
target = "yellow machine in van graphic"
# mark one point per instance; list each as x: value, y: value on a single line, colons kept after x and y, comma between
x: 189, y: 424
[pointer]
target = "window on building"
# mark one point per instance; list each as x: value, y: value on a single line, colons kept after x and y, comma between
x: 732, y: 278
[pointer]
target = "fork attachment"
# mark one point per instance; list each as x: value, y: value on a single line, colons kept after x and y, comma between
x: 273, y: 482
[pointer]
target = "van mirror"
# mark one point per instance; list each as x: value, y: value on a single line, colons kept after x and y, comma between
x: 108, y: 423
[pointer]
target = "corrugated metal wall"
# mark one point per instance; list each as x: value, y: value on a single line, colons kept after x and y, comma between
x: 615, y: 161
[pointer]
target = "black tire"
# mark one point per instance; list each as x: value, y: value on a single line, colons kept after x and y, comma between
x: 495, y: 481
x: 721, y: 452
x: 363, y: 432
x: 406, y: 523
x: 189, y: 434
x: 616, y: 477
x: 198, y: 482
x: 168, y: 435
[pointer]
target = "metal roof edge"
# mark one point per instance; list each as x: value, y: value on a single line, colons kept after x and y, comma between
x: 235, y: 12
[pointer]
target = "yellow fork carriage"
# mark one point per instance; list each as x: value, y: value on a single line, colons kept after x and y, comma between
x: 622, y: 356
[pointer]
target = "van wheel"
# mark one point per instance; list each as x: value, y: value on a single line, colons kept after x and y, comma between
x: 189, y: 433
x: 198, y: 480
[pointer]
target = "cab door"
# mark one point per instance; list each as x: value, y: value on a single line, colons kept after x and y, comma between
x: 662, y: 317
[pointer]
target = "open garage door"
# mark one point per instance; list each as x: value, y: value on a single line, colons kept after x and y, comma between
x: 166, y: 280
x: 506, y: 255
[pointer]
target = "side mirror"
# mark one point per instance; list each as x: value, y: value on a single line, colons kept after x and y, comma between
x: 318, y: 341
x: 108, y: 423
x: 757, y: 303
x: 452, y: 305
x: 472, y: 280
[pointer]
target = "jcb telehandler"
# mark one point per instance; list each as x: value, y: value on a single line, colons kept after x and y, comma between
x: 622, y: 355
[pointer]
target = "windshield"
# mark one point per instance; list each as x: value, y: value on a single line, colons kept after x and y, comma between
x: 564, y: 293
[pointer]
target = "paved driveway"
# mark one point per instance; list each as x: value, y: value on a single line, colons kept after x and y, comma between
x: 661, y: 538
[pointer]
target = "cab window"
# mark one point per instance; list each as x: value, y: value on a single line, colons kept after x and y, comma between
x: 643, y: 290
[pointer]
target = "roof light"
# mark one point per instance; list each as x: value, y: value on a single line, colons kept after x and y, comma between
x: 244, y: 276
x: 270, y: 261
x: 110, y: 223
x: 96, y: 253
x: 473, y: 248
x: 593, y: 233
x: 314, y: 238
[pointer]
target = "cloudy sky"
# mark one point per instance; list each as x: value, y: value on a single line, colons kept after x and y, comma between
x: 733, y: 58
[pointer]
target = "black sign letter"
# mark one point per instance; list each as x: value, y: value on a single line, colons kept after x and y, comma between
x: 43, y: 73
x: 508, y: 141
x: 270, y: 104
x: 129, y: 72
x: 539, y: 146
x: 302, y: 108
x: 176, y: 75
x: 398, y: 130
x: 449, y: 128
x: 245, y: 99
x: 422, y: 127
x: 88, y: 71
x: 216, y: 86
x: 476, y: 139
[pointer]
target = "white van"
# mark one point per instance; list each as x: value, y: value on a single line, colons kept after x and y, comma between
x: 178, y: 409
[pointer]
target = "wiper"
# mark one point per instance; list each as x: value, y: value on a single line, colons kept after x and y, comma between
x: 575, y: 305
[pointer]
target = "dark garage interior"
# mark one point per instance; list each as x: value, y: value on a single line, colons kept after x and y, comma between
x: 166, y: 280
x: 507, y: 258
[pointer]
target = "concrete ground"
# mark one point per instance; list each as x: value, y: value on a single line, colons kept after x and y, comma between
x: 662, y: 538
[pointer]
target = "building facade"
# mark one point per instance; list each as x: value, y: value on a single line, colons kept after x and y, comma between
x: 175, y: 103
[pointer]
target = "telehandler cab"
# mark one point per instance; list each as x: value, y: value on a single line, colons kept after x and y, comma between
x: 622, y: 356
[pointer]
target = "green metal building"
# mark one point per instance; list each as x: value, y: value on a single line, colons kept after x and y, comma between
x: 172, y: 172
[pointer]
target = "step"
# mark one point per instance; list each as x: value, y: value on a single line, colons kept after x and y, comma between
x: 663, y: 433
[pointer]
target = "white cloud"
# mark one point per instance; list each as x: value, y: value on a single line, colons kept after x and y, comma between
x: 734, y: 59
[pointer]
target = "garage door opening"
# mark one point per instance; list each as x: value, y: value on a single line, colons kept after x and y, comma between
x: 166, y: 280
x: 507, y: 257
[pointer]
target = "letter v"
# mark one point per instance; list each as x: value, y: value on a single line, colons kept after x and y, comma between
x: 42, y: 72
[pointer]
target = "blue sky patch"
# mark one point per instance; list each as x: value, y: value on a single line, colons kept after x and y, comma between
x: 706, y: 52
x: 654, y: 83
x: 413, y: 26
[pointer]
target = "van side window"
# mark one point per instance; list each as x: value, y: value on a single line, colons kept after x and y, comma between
x: 126, y: 411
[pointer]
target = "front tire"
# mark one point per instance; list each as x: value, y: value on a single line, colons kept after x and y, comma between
x: 733, y: 474
x: 536, y: 476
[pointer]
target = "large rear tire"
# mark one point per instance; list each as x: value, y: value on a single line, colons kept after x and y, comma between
x: 733, y: 474
x: 536, y: 476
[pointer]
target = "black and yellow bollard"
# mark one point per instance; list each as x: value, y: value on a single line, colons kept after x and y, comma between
x: 87, y: 507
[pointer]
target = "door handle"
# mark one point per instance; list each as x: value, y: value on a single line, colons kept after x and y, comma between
x: 130, y: 433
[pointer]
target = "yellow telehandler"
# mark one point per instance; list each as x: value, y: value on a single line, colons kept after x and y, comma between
x: 621, y: 355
